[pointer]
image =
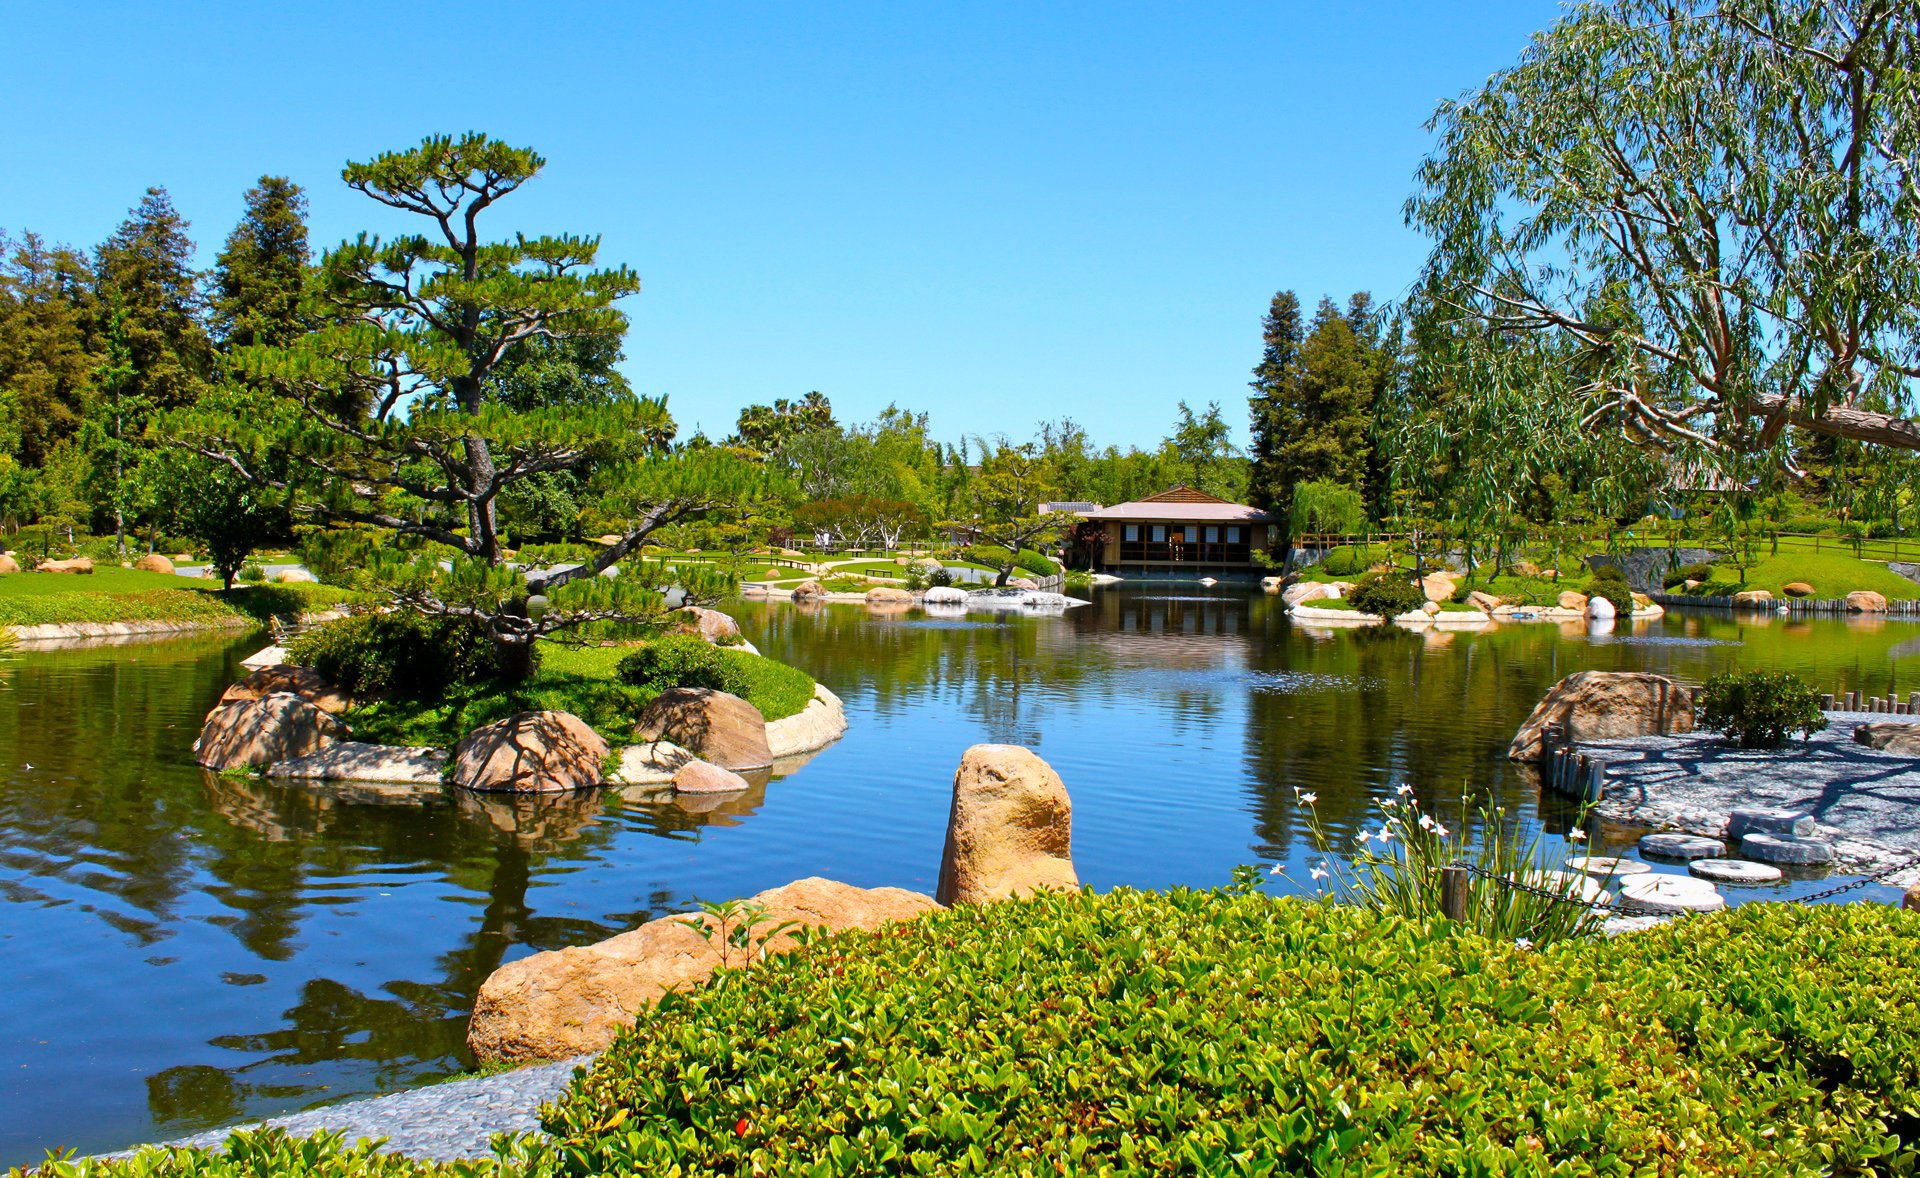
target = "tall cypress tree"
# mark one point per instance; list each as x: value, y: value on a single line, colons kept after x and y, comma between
x: 46, y: 362
x: 145, y: 273
x: 257, y: 279
x: 1274, y: 379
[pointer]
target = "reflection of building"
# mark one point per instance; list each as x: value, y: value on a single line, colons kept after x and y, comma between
x: 1183, y: 529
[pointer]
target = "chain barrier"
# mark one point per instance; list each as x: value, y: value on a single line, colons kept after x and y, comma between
x: 1627, y: 908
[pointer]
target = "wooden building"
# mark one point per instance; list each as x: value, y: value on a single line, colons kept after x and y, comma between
x: 1183, y: 529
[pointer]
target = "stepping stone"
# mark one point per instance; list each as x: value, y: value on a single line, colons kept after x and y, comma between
x: 1792, y: 823
x: 1777, y: 848
x: 1572, y: 883
x: 1607, y: 867
x: 1670, y: 893
x: 1734, y: 871
x: 1673, y: 845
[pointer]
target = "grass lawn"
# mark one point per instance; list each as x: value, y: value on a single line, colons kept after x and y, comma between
x: 1832, y: 575
x: 576, y: 679
x: 134, y: 595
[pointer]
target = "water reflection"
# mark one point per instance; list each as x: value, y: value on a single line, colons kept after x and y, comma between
x: 204, y: 948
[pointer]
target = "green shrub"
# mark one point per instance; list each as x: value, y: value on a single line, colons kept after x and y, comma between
x: 681, y: 660
x: 1609, y: 582
x: 1349, y: 560
x: 1139, y: 1033
x: 1756, y: 709
x: 253, y: 574
x: 920, y: 577
x: 1685, y: 573
x: 1026, y: 560
x: 398, y: 653
x: 1386, y: 595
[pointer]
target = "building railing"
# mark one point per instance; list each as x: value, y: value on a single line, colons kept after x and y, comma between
x: 1185, y: 552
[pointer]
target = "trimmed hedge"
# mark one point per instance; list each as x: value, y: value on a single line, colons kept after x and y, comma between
x: 1227, y: 1032
x: 1026, y: 560
x: 1386, y: 595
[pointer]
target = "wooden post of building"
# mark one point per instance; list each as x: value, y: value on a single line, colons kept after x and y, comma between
x: 1453, y: 893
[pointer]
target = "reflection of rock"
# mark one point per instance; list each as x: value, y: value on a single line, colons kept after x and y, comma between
x: 534, y: 821
x: 1603, y: 705
x: 718, y: 727
x: 530, y: 752
x: 725, y: 809
x: 568, y: 1002
x: 256, y: 733
x: 353, y: 761
x: 304, y: 682
x: 944, y: 610
x: 278, y: 812
x: 1010, y: 830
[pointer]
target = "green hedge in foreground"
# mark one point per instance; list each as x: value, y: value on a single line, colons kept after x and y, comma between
x: 1213, y: 1033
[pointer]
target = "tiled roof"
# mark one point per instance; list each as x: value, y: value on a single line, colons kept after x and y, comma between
x: 1203, y: 508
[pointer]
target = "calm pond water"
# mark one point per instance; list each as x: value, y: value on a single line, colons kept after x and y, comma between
x: 188, y: 950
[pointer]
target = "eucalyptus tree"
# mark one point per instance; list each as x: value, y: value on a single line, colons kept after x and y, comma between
x: 381, y: 420
x: 1712, y: 202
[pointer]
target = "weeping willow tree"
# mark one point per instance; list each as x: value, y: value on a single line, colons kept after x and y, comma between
x: 379, y: 420
x: 1712, y: 204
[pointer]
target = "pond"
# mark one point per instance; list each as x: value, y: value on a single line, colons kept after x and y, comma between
x: 188, y: 950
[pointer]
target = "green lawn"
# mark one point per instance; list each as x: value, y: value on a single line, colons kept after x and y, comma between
x: 575, y: 679
x: 132, y: 595
x: 1832, y: 575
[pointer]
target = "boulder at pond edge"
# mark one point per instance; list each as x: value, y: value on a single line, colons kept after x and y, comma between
x: 1604, y: 705
x: 1010, y: 829
x: 531, y: 752
x: 258, y: 733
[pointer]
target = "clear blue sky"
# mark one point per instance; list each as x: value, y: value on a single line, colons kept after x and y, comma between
x: 996, y: 213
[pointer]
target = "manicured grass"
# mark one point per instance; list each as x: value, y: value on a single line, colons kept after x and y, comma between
x: 575, y: 679
x: 132, y: 595
x: 1832, y: 575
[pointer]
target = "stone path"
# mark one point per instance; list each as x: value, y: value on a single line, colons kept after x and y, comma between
x: 1866, y: 802
x: 456, y: 1119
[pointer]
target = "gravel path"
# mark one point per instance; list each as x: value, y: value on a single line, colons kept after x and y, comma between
x: 1867, y: 802
x: 456, y: 1119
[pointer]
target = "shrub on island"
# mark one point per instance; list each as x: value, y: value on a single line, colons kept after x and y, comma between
x: 681, y: 660
x: 1386, y: 595
x: 1757, y: 709
x: 1609, y: 582
x: 398, y: 653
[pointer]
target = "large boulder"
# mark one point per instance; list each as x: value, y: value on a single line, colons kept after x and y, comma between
x: 710, y: 624
x: 717, y: 727
x: 1568, y: 599
x: 294, y: 576
x: 1604, y: 705
x: 1303, y: 592
x: 78, y: 564
x: 8, y: 564
x: 807, y: 590
x: 258, y: 733
x: 1797, y: 589
x: 569, y: 1002
x: 1438, y: 586
x: 1866, y: 601
x: 304, y: 682
x: 1600, y: 609
x: 1010, y: 830
x: 1753, y: 599
x: 944, y: 595
x: 531, y: 752
x: 1484, y: 600
x: 153, y: 562
x: 888, y: 595
x: 1903, y: 739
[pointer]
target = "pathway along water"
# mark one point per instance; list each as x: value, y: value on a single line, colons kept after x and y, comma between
x: 187, y: 951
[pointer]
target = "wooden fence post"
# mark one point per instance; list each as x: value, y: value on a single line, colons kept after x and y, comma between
x: 1453, y: 893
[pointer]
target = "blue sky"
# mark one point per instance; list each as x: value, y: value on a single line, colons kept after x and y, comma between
x: 996, y: 213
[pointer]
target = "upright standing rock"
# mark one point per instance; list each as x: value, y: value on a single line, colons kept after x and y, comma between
x: 1010, y: 831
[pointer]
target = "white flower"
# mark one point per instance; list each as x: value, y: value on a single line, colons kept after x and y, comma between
x: 1386, y: 833
x: 1522, y: 943
x: 1427, y: 822
x: 1277, y: 869
x: 1578, y: 836
x: 1319, y: 873
x: 1442, y: 831
x: 1404, y: 789
x: 1365, y: 836
x: 1309, y: 799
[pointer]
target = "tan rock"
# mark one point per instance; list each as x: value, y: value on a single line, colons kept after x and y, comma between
x: 814, y: 727
x: 1484, y: 600
x: 888, y: 595
x: 1752, y: 598
x: 715, y: 726
x: 1010, y: 830
x: 258, y: 733
x: 1302, y: 593
x: 153, y: 562
x: 1570, y: 600
x: 1890, y: 738
x: 569, y: 1002
x: 1525, y: 568
x: 807, y: 589
x: 79, y: 564
x: 1431, y: 608
x: 773, y: 574
x: 1690, y: 583
x: 1797, y: 589
x: 1023, y: 583
x: 295, y: 577
x: 651, y: 763
x: 1438, y: 586
x: 1603, y: 705
x: 531, y: 752
x: 1273, y: 584
x: 1911, y: 901
x: 1641, y: 601
x: 1866, y: 601
x: 8, y: 564
x: 711, y: 624
x: 699, y: 777
x: 929, y: 564
x: 349, y: 760
x: 304, y: 682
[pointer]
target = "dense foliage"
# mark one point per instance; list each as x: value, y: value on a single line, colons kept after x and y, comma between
x: 1385, y: 595
x: 1610, y: 583
x: 398, y: 653
x: 681, y: 660
x: 1757, y: 709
